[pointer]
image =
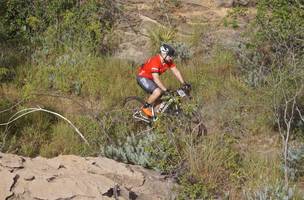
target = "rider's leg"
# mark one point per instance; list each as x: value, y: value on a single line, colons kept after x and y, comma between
x: 156, y: 104
x: 150, y: 87
x: 147, y: 108
x: 154, y: 96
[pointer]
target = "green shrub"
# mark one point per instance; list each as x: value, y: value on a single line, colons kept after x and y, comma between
x: 164, y: 154
x: 232, y: 18
x: 273, y: 192
x: 277, y: 41
x: 160, y: 149
x: 160, y: 35
x: 92, y: 132
x: 182, y: 51
x: 132, y: 150
x: 3, y: 73
x: 150, y: 149
x: 295, y: 162
x: 54, y: 25
x: 190, y: 188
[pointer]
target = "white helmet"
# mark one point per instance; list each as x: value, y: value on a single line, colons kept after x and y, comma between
x: 167, y: 50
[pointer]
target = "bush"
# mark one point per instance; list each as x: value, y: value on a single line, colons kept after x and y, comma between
x: 273, y: 192
x: 133, y: 150
x: 183, y: 52
x: 150, y: 149
x: 161, y: 148
x: 295, y: 162
x: 56, y: 25
x: 164, y: 153
x: 232, y: 17
x: 190, y: 188
x: 277, y: 42
x: 160, y: 35
x: 11, y: 57
x: 273, y: 60
x: 3, y: 73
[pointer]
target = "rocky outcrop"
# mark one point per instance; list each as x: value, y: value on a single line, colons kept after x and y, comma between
x: 143, y: 16
x: 73, y: 177
x: 230, y: 3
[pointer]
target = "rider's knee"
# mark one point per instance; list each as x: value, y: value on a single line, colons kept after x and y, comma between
x: 157, y: 92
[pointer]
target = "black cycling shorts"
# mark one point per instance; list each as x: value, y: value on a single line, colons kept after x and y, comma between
x: 147, y: 84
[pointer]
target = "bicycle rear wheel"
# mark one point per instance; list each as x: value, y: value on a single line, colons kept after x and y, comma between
x: 133, y: 103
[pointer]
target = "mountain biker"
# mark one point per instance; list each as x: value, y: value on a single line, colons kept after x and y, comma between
x: 148, y: 76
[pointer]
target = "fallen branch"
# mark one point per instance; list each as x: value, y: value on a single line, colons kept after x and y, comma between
x: 2, y: 111
x: 27, y: 111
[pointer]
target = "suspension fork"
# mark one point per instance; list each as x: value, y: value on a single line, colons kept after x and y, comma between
x: 166, y: 105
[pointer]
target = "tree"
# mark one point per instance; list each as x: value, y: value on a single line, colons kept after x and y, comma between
x: 274, y: 59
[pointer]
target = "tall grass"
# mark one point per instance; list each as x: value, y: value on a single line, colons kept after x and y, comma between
x: 101, y: 79
x: 261, y: 170
x: 230, y: 108
x: 215, y: 161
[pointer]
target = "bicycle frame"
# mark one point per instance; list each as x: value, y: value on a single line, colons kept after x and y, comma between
x: 164, y: 105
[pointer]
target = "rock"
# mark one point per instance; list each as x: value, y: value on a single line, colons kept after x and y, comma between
x: 141, y: 18
x: 11, y: 161
x: 6, y: 183
x: 231, y: 3
x: 224, y: 3
x: 29, y: 178
x: 73, y: 177
x: 242, y: 2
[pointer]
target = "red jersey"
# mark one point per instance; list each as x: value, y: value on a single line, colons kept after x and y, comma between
x: 154, y: 65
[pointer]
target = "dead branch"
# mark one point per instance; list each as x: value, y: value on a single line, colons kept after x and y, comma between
x: 12, y: 107
x: 300, y: 114
x: 27, y: 111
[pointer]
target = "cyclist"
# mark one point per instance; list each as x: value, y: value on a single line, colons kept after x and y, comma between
x: 148, y: 76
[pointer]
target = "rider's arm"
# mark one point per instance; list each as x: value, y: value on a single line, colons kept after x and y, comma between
x: 158, y: 82
x: 178, y: 75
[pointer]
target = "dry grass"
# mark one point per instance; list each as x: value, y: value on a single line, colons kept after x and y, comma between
x: 234, y: 110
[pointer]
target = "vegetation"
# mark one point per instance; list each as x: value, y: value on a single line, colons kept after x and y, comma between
x: 279, y: 60
x: 58, y: 55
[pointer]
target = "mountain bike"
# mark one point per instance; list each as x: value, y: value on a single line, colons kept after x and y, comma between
x: 171, y: 105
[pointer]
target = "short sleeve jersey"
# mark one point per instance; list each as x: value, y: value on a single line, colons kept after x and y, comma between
x: 154, y: 65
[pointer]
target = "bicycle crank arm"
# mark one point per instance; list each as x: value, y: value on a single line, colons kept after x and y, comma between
x: 138, y: 116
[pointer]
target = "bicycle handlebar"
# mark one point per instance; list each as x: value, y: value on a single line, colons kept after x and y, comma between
x: 181, y: 92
